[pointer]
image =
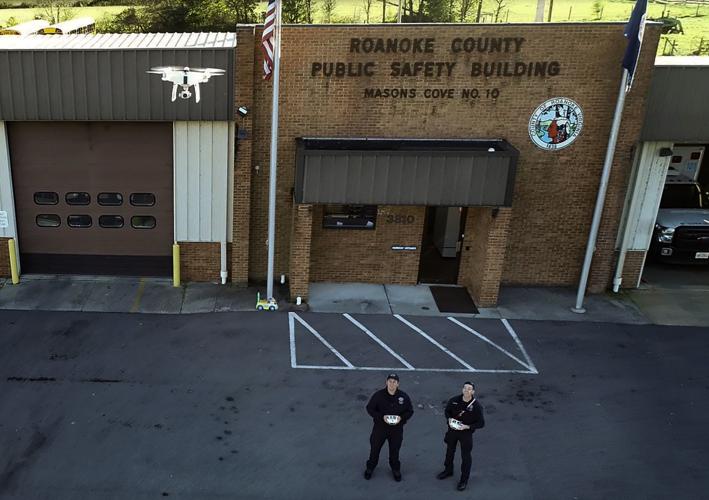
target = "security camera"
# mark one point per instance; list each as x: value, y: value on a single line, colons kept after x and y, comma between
x: 243, y: 111
x: 185, y: 94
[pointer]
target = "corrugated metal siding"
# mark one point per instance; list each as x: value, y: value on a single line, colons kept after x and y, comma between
x: 201, y: 180
x: 7, y: 201
x: 644, y: 195
x: 121, y: 41
x: 110, y: 85
x: 447, y: 178
x: 677, y: 106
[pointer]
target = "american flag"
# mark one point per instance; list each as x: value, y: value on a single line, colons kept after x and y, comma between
x: 267, y: 39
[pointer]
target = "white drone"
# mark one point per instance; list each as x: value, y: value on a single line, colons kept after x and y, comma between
x: 185, y: 78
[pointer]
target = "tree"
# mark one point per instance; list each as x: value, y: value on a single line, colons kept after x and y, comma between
x: 497, y: 14
x: 55, y: 11
x: 178, y: 16
x: 294, y: 11
x: 466, y: 8
x: 367, y: 5
x: 328, y: 7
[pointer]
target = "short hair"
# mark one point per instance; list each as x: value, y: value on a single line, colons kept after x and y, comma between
x: 469, y: 383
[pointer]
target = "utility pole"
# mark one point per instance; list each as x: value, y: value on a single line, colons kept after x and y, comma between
x: 540, y: 12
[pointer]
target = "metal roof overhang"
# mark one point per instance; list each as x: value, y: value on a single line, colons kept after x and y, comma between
x: 445, y: 172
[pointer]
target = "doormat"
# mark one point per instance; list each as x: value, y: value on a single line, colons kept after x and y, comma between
x: 453, y: 299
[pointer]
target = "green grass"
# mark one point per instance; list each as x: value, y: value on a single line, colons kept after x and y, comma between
x: 22, y: 15
x: 695, y: 20
x: 521, y: 11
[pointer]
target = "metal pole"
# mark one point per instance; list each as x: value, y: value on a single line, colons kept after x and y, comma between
x: 539, y: 17
x: 274, y: 155
x: 398, y: 17
x: 600, y: 200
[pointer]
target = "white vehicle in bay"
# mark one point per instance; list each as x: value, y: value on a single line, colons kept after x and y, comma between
x: 682, y: 227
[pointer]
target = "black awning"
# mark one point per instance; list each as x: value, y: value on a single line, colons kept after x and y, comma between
x: 446, y: 172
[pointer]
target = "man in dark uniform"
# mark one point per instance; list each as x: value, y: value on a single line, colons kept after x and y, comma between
x: 464, y: 414
x: 390, y: 409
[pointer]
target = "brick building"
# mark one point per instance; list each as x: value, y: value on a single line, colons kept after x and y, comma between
x: 406, y: 154
x: 364, y: 82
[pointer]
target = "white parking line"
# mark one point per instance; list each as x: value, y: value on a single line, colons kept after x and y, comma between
x: 442, y: 348
x: 519, y: 344
x: 350, y: 366
x: 482, y: 337
x: 436, y: 370
x: 379, y: 341
x: 292, y: 317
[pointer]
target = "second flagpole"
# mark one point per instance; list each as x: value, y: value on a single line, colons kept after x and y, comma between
x: 274, y: 153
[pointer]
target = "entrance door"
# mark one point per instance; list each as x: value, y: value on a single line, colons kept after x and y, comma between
x: 93, y: 198
x: 441, y: 245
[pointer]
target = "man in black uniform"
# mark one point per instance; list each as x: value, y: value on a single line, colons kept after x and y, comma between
x: 464, y: 414
x: 390, y: 409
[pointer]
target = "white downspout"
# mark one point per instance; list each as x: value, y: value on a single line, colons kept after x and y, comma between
x: 224, y: 273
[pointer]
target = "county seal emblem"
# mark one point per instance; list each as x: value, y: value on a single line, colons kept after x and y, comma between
x: 556, y: 123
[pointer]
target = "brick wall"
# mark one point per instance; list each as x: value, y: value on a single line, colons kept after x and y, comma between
x: 366, y: 256
x: 201, y: 261
x: 4, y: 258
x: 483, y: 254
x: 243, y: 96
x: 299, y: 278
x: 554, y: 191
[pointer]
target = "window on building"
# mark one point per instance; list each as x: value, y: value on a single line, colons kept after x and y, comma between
x: 110, y: 199
x: 110, y: 221
x: 79, y: 221
x: 350, y: 216
x: 78, y: 198
x: 48, y: 220
x: 142, y: 199
x: 142, y: 222
x: 46, y: 198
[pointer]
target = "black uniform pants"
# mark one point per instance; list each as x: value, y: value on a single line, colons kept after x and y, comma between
x: 395, y: 436
x: 466, y: 447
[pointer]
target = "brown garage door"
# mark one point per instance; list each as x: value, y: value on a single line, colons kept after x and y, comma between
x: 93, y: 197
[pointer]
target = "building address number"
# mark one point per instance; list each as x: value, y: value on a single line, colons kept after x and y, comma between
x: 400, y: 219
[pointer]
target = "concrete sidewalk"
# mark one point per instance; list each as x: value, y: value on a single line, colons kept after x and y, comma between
x: 665, y: 306
x: 116, y: 294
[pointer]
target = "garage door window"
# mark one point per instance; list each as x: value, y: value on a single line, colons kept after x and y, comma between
x: 46, y: 198
x: 110, y: 199
x: 142, y: 199
x: 110, y: 221
x: 78, y: 198
x: 48, y: 220
x: 142, y: 222
x: 79, y: 221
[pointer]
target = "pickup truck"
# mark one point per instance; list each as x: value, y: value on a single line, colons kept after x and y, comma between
x: 682, y: 227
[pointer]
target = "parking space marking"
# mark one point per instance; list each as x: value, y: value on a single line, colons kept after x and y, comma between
x: 519, y: 344
x: 442, y: 348
x: 484, y: 338
x: 379, y: 341
x: 529, y: 366
x: 350, y: 366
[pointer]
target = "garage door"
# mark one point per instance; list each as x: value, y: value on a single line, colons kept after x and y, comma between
x: 93, y: 198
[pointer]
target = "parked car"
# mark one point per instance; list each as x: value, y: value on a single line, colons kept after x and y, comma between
x: 682, y: 227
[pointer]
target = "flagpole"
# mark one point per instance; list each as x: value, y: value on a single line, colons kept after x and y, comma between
x: 601, y: 198
x: 274, y: 153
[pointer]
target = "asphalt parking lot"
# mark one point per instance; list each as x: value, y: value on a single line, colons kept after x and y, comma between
x: 98, y: 405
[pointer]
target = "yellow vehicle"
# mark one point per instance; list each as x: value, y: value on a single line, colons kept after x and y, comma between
x: 265, y: 304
